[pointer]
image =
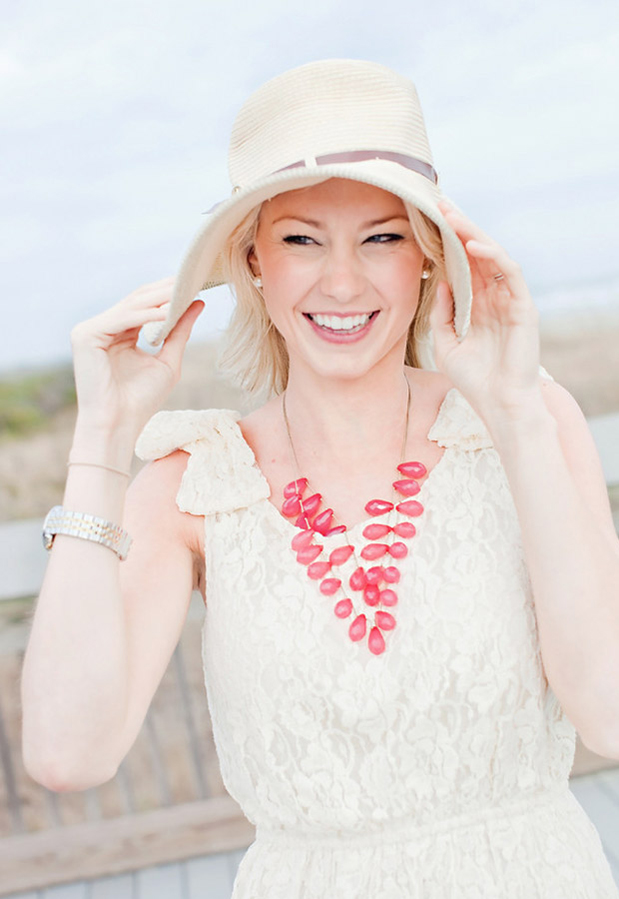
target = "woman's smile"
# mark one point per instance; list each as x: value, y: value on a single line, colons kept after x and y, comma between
x: 341, y: 327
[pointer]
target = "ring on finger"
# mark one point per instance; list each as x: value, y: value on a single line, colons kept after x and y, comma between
x: 499, y: 276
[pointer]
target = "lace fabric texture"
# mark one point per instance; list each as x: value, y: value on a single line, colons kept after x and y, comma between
x: 437, y: 769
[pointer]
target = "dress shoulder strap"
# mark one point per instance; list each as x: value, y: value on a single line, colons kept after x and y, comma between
x: 221, y: 473
x: 457, y: 423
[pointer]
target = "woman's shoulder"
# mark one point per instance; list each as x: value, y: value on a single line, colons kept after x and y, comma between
x: 170, y: 430
x: 216, y: 470
x: 454, y: 422
x: 457, y: 423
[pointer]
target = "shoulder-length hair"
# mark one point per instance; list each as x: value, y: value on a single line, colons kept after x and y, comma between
x: 254, y: 353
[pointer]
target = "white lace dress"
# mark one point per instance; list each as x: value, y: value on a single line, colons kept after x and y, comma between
x: 437, y: 770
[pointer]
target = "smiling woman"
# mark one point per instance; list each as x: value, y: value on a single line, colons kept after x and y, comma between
x: 406, y: 552
x: 255, y: 354
x: 325, y: 253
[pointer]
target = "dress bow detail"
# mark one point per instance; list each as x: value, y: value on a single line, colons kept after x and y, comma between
x: 221, y: 473
x: 459, y: 425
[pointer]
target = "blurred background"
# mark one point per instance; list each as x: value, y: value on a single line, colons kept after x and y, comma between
x: 115, y: 120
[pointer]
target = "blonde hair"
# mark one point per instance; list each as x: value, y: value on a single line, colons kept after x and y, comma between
x: 254, y: 354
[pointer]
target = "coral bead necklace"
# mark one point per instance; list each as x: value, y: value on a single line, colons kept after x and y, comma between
x: 371, y: 590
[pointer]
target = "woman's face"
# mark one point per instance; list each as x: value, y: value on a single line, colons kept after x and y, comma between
x: 340, y: 274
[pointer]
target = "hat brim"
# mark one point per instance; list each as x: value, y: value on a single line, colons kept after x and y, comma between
x: 201, y: 268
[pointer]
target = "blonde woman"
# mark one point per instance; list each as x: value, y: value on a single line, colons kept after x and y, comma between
x: 406, y: 553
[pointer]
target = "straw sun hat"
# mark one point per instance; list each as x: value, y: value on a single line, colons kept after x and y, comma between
x: 335, y: 118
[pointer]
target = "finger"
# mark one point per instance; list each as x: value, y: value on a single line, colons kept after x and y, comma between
x: 156, y: 293
x: 118, y: 320
x: 174, y: 344
x: 163, y: 282
x: 472, y: 237
x: 448, y: 206
x: 492, y: 260
x: 132, y: 318
x: 465, y: 228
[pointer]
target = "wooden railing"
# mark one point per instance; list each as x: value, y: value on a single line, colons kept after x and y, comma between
x: 167, y: 801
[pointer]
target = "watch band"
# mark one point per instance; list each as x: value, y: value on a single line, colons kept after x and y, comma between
x: 89, y: 527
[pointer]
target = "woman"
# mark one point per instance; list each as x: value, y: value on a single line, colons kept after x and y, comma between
x: 406, y: 553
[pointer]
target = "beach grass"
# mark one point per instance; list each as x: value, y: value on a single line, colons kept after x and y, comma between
x: 38, y: 408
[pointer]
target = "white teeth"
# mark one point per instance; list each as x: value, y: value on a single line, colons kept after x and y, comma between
x: 335, y: 323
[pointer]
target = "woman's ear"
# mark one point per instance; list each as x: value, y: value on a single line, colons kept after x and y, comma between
x: 252, y: 261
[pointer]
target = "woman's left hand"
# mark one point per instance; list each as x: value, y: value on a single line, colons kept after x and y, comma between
x: 496, y: 365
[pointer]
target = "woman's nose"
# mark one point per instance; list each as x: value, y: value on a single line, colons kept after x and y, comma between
x: 342, y: 276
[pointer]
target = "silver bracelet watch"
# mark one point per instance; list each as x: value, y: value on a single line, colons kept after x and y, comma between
x: 89, y: 527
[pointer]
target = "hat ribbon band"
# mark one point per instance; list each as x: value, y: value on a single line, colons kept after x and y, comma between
x: 410, y: 162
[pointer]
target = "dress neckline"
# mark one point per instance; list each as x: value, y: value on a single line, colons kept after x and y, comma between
x: 290, y: 529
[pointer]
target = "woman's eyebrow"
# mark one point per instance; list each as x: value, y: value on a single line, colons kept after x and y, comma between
x: 314, y: 224
x: 296, y: 218
x: 391, y: 218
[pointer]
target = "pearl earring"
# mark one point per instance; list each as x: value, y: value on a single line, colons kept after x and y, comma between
x: 425, y: 274
x: 257, y: 282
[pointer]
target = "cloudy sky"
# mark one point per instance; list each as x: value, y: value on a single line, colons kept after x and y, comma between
x: 115, y: 119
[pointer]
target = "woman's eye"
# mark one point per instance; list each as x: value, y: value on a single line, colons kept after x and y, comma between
x: 302, y: 239
x: 385, y: 238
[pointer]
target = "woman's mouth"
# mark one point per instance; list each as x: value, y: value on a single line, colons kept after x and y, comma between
x: 340, y: 325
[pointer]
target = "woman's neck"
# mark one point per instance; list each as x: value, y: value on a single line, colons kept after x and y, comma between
x: 347, y: 419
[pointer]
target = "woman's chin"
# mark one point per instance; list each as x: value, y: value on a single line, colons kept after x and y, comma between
x: 343, y: 367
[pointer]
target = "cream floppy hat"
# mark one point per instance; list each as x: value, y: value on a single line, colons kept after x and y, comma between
x: 334, y: 118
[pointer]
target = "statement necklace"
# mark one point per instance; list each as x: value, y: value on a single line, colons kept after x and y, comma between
x: 370, y: 590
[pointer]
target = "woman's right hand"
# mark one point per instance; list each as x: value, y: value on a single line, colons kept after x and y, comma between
x: 118, y: 385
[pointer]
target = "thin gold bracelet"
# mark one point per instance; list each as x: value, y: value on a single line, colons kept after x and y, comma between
x: 127, y: 474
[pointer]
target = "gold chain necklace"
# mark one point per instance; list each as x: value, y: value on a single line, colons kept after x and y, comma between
x: 372, y: 588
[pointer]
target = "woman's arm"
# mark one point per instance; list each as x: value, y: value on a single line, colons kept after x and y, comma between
x: 556, y: 479
x: 572, y: 554
x: 104, y: 629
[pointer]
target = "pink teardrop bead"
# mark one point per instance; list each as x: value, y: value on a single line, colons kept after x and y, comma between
x: 302, y: 539
x: 407, y: 488
x: 322, y: 522
x: 398, y: 550
x: 358, y: 579
x: 378, y: 507
x: 410, y: 507
x: 343, y: 608
x: 310, y: 505
x: 339, y: 529
x: 356, y: 631
x: 330, y: 585
x: 371, y: 594
x: 376, y: 531
x: 303, y: 522
x: 291, y: 506
x: 412, y: 469
x: 374, y: 551
x: 376, y: 641
x: 293, y: 487
x: 375, y: 574
x: 341, y: 554
x: 307, y: 554
x: 405, y: 529
x: 385, y: 620
x: 388, y: 597
x: 391, y: 574
x: 318, y: 569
